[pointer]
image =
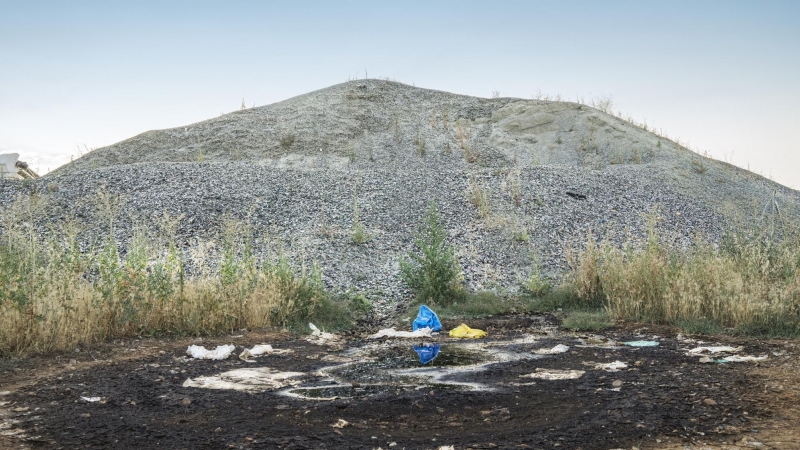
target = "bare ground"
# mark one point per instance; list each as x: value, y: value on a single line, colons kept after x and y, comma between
x: 478, y: 396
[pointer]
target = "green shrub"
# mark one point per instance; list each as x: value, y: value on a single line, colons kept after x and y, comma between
x: 536, y: 284
x: 562, y: 297
x: 432, y: 270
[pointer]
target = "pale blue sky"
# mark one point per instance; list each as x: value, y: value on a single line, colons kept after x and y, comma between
x: 722, y: 75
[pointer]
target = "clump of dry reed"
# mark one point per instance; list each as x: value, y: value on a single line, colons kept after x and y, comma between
x: 61, y: 288
x: 749, y: 283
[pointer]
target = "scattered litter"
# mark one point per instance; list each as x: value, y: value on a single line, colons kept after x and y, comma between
x: 319, y: 337
x: 545, y: 374
x: 719, y: 349
x: 427, y: 352
x: 737, y: 358
x: 560, y: 348
x: 463, y: 331
x: 611, y: 367
x: 200, y: 352
x: 392, y: 333
x: 94, y: 399
x: 447, y: 447
x: 257, y: 350
x: 249, y: 380
x: 341, y: 423
x: 261, y: 349
x: 426, y: 318
x: 316, y: 332
x: 641, y: 343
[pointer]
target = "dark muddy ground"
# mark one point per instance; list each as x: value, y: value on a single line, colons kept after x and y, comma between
x: 474, y: 394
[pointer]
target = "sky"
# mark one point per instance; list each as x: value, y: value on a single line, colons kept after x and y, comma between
x: 722, y: 76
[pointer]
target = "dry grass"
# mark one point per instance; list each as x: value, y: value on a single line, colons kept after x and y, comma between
x: 514, y: 186
x: 287, y: 140
x: 59, y: 292
x: 463, y: 141
x: 479, y: 197
x: 750, y: 283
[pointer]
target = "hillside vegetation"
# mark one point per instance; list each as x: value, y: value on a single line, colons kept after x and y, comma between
x: 327, y: 192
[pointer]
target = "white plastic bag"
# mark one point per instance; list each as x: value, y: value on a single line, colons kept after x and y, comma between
x: 219, y: 353
x: 392, y: 333
x: 560, y: 348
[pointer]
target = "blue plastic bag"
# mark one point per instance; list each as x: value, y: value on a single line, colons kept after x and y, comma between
x: 427, y: 319
x: 427, y: 352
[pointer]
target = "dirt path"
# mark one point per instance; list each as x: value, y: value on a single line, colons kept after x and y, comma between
x: 494, y: 393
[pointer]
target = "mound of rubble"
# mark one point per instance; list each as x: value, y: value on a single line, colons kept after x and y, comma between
x: 517, y: 182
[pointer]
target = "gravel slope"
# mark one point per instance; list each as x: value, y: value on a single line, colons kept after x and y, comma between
x: 291, y: 170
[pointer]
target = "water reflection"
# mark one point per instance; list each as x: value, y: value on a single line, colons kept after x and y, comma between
x: 427, y: 352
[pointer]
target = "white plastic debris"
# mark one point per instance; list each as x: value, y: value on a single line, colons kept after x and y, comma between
x: 611, y: 367
x: 261, y: 349
x: 545, y: 374
x: 320, y: 337
x: 560, y: 348
x: 316, y: 332
x: 641, y: 343
x: 737, y: 358
x: 257, y: 379
x: 94, y: 399
x: 341, y: 423
x: 718, y: 349
x: 392, y: 333
x: 200, y: 352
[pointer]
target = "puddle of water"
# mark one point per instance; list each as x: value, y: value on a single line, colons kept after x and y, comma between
x: 427, y: 352
x: 441, y: 375
x: 383, y: 367
x: 380, y: 364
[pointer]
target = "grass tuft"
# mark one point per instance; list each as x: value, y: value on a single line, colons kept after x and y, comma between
x: 587, y: 321
x: 479, y: 197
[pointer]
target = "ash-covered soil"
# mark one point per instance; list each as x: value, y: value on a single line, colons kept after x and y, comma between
x: 475, y: 394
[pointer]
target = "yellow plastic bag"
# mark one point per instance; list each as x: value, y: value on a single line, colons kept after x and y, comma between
x: 463, y: 331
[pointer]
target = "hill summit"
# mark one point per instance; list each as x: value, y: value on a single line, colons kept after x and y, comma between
x: 517, y: 182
